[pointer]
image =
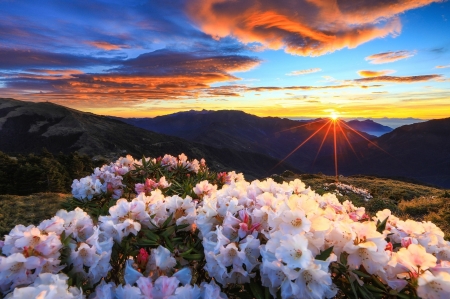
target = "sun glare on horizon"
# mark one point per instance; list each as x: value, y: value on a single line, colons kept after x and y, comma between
x: 334, y: 116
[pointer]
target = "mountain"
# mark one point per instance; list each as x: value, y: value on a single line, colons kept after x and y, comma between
x: 370, y: 127
x: 420, y: 151
x: 272, y: 136
x: 27, y: 127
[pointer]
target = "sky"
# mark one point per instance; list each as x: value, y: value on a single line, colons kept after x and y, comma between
x: 379, y: 59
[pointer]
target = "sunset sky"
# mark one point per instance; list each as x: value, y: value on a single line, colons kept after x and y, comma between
x: 290, y: 58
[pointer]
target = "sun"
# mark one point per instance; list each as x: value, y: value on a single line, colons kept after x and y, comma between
x: 334, y: 116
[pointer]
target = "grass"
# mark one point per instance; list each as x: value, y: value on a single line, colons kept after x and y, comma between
x: 26, y: 210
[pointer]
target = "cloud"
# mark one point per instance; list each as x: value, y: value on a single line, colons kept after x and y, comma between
x: 397, y: 79
x: 276, y: 88
x: 16, y: 59
x: 302, y: 27
x: 161, y: 74
x: 388, y: 57
x: 304, y: 72
x: 442, y: 66
x: 106, y: 46
x: 369, y: 74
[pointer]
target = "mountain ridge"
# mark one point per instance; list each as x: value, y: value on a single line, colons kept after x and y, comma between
x: 28, y: 127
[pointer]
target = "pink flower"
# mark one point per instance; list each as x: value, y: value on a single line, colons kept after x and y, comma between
x: 223, y: 178
x: 246, y: 227
x: 389, y: 247
x: 142, y: 258
x: 147, y: 187
x: 406, y: 242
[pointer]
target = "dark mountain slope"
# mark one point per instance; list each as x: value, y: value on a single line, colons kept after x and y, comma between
x: 28, y: 127
x: 272, y: 136
x: 420, y: 151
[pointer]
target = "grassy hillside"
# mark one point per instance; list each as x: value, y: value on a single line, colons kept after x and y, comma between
x: 26, y: 210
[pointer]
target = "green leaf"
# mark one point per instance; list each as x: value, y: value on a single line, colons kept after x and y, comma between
x: 382, y: 226
x: 373, y: 288
x: 147, y: 243
x: 168, y: 231
x: 194, y: 256
x: 182, y: 226
x: 362, y: 274
x: 257, y: 291
x: 343, y: 258
x: 151, y: 235
x: 168, y: 244
x: 166, y: 223
x: 365, y: 293
x: 352, y: 286
x: 323, y: 255
x: 379, y: 284
x: 404, y: 296
x: 186, y: 252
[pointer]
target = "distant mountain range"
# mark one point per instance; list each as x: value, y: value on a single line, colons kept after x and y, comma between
x: 420, y: 151
x: 27, y: 127
x: 370, y: 127
x: 271, y: 136
x: 236, y: 140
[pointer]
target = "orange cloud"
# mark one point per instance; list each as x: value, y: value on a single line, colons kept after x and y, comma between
x: 276, y: 88
x: 370, y: 74
x: 442, y: 66
x: 302, y: 27
x: 405, y: 79
x: 387, y: 57
x: 106, y: 46
x: 161, y: 74
x: 304, y: 72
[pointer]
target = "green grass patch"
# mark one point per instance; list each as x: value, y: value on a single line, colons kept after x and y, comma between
x: 26, y: 210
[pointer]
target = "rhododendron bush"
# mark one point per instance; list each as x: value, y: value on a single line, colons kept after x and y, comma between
x: 171, y: 228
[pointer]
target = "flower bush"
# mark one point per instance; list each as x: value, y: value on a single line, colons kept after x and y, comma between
x: 170, y: 228
x: 350, y: 189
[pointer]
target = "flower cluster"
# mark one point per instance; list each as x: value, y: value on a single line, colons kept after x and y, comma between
x: 278, y: 239
x: 108, y: 180
x: 105, y: 180
x: 30, y: 251
x: 350, y: 188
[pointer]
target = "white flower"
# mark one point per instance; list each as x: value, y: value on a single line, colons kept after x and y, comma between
x: 294, y: 222
x: 161, y: 259
x: 104, y: 291
x: 434, y: 286
x: 415, y: 257
x: 211, y: 290
x: 230, y: 255
x: 204, y: 188
x: 186, y: 292
x: 164, y: 287
x: 85, y: 255
x: 15, y: 269
x: 47, y: 286
x: 314, y: 282
x: 293, y: 251
x: 128, y: 292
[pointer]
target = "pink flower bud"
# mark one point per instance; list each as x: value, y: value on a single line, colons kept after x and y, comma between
x: 406, y: 242
x: 142, y: 258
x: 389, y: 247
